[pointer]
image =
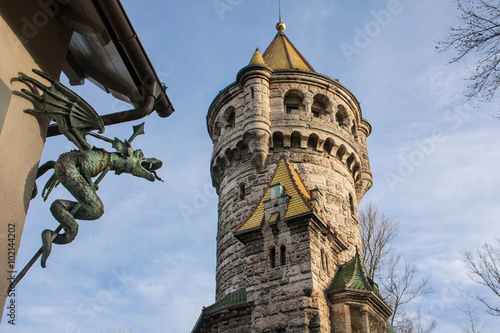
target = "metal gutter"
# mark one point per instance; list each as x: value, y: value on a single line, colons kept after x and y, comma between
x: 124, y: 36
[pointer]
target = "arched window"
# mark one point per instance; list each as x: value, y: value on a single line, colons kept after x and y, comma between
x: 277, y: 140
x: 272, y: 257
x: 355, y: 169
x: 230, y: 117
x: 358, y: 178
x: 319, y: 106
x: 293, y: 101
x: 328, y: 146
x: 341, y: 152
x: 243, y: 150
x: 283, y: 255
x: 350, y: 160
x: 295, y: 139
x: 341, y: 116
x: 312, y: 142
x: 354, y: 131
x: 231, y: 155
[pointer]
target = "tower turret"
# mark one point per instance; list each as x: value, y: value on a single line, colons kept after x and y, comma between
x: 254, y: 80
x: 290, y: 165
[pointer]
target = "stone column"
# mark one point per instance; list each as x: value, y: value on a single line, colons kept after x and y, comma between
x: 365, y: 322
x: 341, y: 318
x: 308, y: 101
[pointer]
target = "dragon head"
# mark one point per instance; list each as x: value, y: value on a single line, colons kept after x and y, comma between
x: 133, y: 162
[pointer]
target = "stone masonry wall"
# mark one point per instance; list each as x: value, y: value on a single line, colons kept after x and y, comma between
x: 316, y: 123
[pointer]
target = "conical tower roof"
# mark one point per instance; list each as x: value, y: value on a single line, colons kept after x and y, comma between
x: 257, y: 59
x: 282, y: 54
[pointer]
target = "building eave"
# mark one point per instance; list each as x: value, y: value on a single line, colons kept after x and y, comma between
x: 105, y: 49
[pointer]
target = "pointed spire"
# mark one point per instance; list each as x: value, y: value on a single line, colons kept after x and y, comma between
x: 280, y: 26
x: 280, y: 9
x: 257, y: 59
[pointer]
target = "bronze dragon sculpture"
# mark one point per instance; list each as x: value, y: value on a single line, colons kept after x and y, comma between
x: 75, y: 169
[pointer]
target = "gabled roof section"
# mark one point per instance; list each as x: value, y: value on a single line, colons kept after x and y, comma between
x: 282, y: 54
x: 298, y: 202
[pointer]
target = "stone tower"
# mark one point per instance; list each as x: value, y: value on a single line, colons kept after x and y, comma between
x: 290, y: 165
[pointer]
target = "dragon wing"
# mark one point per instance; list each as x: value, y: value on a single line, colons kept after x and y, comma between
x: 74, y: 116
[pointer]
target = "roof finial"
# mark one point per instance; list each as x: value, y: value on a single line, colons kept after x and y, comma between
x: 280, y: 26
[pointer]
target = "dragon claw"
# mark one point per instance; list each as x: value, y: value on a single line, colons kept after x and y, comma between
x: 46, y: 246
x: 31, y: 94
x: 31, y: 111
x: 25, y: 78
x: 45, y: 76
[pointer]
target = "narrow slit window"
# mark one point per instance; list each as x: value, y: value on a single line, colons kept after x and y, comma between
x: 272, y: 257
x: 323, y: 260
x: 242, y: 191
x: 351, y: 203
x: 283, y: 255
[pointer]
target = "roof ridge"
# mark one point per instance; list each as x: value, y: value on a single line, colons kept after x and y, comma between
x: 286, y: 51
x: 275, y: 40
x: 300, y: 54
x: 289, y: 166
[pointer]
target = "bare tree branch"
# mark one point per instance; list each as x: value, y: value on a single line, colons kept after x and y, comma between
x: 377, y: 231
x: 482, y: 267
x: 399, y: 278
x: 400, y: 287
x: 473, y: 322
x: 479, y: 33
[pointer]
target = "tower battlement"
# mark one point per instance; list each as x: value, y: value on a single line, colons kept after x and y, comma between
x: 291, y: 109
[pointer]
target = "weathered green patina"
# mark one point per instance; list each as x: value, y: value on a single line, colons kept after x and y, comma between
x: 75, y: 169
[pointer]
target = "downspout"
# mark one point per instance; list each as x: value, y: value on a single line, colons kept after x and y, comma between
x: 118, y: 117
x: 128, y: 40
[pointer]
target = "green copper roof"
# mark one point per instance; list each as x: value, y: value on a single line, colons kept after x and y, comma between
x: 230, y: 299
x: 390, y: 328
x: 353, y: 275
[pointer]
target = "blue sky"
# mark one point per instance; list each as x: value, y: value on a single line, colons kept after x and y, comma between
x: 149, y: 262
